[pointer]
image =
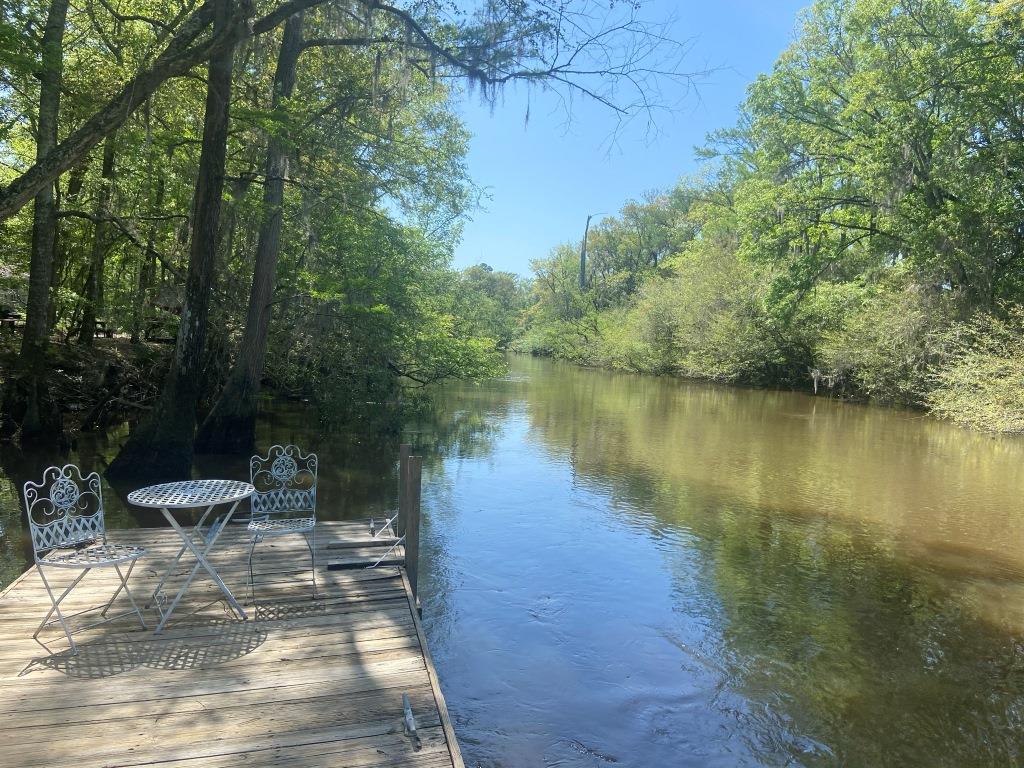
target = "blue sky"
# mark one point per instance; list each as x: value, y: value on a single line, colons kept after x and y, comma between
x: 543, y: 178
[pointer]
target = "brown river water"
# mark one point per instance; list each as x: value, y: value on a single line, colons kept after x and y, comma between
x: 634, y: 571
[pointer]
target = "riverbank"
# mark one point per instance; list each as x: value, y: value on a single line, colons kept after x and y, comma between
x: 98, y: 386
x: 969, y: 372
x: 822, y: 244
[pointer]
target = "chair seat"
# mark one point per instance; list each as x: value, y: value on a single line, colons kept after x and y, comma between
x: 92, y: 556
x: 277, y: 526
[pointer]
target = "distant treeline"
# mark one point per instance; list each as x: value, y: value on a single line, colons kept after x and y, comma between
x: 860, y: 231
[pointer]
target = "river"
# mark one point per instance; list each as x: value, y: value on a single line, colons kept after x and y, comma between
x: 622, y: 570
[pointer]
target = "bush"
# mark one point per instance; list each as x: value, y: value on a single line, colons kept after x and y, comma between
x: 704, y: 320
x: 980, y: 383
x: 888, y: 343
x: 719, y: 326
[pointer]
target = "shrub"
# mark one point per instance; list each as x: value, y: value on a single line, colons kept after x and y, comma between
x: 719, y: 324
x: 980, y: 383
x: 888, y: 343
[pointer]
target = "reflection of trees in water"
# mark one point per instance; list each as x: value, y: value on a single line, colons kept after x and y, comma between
x: 15, y: 546
x: 461, y: 421
x: 837, y: 633
x: 873, y: 655
x: 932, y: 484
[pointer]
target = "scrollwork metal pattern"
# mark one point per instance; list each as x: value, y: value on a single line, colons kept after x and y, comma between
x: 64, y: 510
x: 285, y: 481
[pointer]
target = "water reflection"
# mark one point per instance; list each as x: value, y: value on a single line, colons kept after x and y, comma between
x: 650, y: 572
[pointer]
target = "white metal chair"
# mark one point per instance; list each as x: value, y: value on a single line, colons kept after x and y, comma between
x: 284, y: 501
x: 65, y: 518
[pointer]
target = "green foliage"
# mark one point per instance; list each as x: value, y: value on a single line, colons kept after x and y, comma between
x: 868, y: 200
x: 888, y: 342
x: 980, y: 383
x: 367, y: 306
x: 373, y: 314
x: 493, y: 302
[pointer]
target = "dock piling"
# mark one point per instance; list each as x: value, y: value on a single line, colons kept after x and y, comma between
x: 410, y: 479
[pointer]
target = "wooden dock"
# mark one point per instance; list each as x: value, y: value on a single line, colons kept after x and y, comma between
x: 300, y: 684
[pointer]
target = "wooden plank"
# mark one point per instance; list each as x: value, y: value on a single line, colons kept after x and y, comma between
x: 304, y: 683
x: 435, y: 682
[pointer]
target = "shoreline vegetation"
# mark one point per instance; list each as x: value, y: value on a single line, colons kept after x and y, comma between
x: 857, y: 233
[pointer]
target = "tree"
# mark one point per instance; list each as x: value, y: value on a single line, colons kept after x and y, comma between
x: 231, y: 424
x: 94, y: 281
x: 494, y: 302
x: 162, y: 443
x: 864, y: 209
x: 26, y: 399
x: 559, y: 47
x: 144, y: 58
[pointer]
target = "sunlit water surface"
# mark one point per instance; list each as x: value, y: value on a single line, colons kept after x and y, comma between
x: 635, y: 571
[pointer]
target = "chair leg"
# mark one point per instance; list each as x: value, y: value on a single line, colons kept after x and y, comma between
x: 124, y: 585
x: 311, y: 543
x: 56, y: 607
x: 117, y: 592
x: 252, y: 582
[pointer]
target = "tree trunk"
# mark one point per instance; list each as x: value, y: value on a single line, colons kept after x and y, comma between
x: 62, y: 250
x: 160, y: 447
x: 27, y: 402
x: 94, y: 279
x: 147, y: 270
x: 231, y: 424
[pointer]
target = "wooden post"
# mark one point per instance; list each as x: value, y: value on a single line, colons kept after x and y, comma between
x: 412, y: 523
x: 403, y: 474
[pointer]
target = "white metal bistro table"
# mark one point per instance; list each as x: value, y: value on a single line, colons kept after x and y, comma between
x: 192, y: 494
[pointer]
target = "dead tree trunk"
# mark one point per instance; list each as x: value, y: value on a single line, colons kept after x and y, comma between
x: 161, y: 444
x: 231, y: 423
x: 27, y: 402
x: 94, y: 280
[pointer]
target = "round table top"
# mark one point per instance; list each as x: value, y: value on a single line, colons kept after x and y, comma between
x: 191, y: 493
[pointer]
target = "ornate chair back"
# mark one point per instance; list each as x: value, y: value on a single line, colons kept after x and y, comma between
x: 64, y: 510
x: 285, y: 482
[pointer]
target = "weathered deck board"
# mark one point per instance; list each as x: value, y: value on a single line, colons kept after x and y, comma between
x: 302, y: 683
